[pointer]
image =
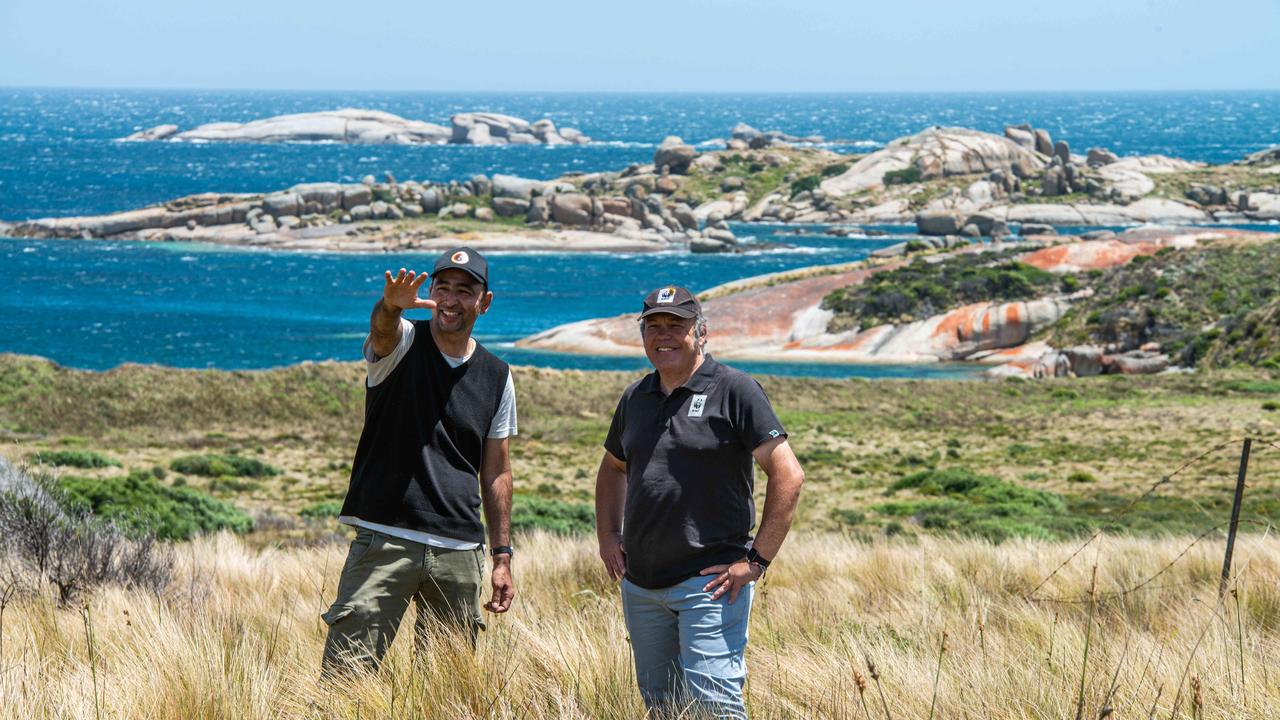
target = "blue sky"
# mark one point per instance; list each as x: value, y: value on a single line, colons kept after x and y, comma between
x: 660, y: 45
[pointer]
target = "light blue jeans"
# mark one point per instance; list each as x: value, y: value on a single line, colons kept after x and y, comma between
x: 689, y: 649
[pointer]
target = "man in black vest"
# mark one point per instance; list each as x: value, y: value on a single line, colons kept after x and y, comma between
x: 675, y: 509
x: 439, y: 412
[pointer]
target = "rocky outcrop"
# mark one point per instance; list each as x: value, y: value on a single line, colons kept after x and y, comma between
x: 369, y: 127
x: 1261, y: 206
x: 1108, y: 252
x: 497, y: 129
x: 795, y: 328
x: 749, y: 138
x: 510, y: 186
x: 1267, y: 157
x: 1080, y: 361
x: 674, y: 155
x: 934, y: 153
x: 314, y: 211
x: 1130, y: 177
x: 1097, y: 157
x: 1149, y: 210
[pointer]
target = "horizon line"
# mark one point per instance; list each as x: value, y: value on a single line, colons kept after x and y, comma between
x: 142, y: 88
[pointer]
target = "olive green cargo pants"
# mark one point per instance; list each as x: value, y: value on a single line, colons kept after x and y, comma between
x: 381, y: 575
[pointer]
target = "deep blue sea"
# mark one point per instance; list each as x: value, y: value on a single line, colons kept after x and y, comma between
x: 96, y: 304
x: 58, y: 155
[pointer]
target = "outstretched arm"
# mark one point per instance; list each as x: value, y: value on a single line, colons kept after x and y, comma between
x: 495, y: 490
x: 399, y: 293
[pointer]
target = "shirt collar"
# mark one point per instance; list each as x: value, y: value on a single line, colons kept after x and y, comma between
x: 697, y: 382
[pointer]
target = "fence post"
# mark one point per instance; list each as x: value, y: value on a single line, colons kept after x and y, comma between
x: 1235, y: 516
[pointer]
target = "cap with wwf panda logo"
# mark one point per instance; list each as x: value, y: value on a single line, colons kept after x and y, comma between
x: 671, y: 299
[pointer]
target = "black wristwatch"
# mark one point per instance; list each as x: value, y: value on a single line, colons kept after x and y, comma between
x: 502, y: 550
x: 755, y: 558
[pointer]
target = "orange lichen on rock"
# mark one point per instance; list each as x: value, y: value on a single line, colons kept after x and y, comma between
x: 1092, y: 255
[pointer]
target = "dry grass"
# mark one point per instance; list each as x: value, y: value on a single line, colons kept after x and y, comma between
x: 238, y: 635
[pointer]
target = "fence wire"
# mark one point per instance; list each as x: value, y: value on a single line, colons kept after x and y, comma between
x: 1149, y: 582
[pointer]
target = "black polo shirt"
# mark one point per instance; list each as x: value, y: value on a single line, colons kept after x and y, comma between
x: 690, y: 473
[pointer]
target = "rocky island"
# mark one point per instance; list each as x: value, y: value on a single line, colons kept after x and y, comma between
x: 988, y: 278
x: 372, y: 127
x: 954, y: 183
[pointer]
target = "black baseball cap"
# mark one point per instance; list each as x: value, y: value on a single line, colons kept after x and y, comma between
x: 463, y: 258
x: 671, y: 299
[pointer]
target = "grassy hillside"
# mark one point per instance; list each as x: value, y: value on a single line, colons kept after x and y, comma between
x: 1214, y: 305
x: 1088, y: 446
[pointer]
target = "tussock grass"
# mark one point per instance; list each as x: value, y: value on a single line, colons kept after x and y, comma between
x: 238, y: 634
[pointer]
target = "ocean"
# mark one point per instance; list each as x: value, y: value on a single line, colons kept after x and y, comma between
x: 99, y: 304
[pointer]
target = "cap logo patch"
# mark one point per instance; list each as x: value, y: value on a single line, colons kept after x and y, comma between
x: 697, y: 405
x: 666, y: 295
x: 460, y: 257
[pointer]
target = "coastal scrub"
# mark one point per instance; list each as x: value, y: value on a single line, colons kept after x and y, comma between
x: 923, y: 289
x: 1215, y: 305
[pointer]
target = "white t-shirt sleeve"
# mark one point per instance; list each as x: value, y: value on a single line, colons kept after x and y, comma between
x: 380, y: 368
x: 504, y: 421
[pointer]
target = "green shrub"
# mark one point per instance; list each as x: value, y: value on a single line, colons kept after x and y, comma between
x: 1081, y: 477
x: 1271, y: 406
x: 808, y: 183
x: 834, y: 170
x: 922, y: 289
x: 847, y: 517
x: 1256, y: 387
x: 74, y: 458
x: 906, y: 176
x: 531, y: 512
x: 232, y: 484
x: 141, y: 502
x: 222, y: 465
x: 969, y: 504
x: 322, y: 509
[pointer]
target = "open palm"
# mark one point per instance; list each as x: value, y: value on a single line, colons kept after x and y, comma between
x: 401, y: 290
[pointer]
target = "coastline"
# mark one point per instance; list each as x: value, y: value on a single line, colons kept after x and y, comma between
x: 948, y: 182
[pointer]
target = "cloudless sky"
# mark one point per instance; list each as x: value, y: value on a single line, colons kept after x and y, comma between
x: 654, y: 45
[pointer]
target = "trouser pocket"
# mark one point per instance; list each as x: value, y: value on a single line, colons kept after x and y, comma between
x: 336, y: 613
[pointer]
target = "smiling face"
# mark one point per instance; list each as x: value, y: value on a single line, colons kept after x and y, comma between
x: 670, y: 342
x: 460, y: 299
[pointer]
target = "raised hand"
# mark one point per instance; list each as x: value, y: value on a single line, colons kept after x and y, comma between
x: 401, y: 291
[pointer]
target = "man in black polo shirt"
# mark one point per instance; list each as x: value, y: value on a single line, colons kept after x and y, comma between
x: 674, y: 510
x: 439, y: 412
